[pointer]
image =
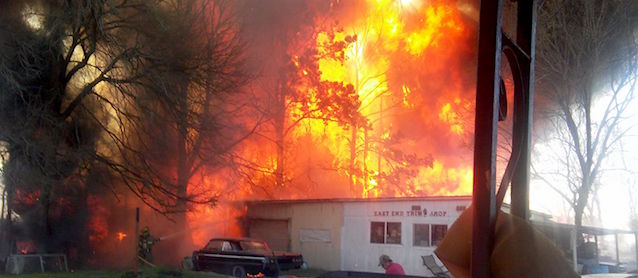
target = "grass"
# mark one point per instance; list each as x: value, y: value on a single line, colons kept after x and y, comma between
x: 149, y: 273
x: 145, y: 273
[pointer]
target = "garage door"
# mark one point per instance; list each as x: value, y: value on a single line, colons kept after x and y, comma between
x: 274, y: 232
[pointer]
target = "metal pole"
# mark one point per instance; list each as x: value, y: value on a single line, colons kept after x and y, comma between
x: 617, y: 253
x: 137, y: 227
x: 597, y: 253
x: 485, y: 131
x: 66, y: 264
x: 526, y: 41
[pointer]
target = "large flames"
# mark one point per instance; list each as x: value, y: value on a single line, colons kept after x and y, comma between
x: 411, y: 34
x: 402, y: 75
x: 357, y: 99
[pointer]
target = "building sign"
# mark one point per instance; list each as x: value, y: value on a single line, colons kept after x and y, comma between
x: 314, y: 235
x: 411, y: 213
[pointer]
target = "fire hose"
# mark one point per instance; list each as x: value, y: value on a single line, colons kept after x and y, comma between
x: 167, y: 237
x: 170, y: 236
x: 146, y: 262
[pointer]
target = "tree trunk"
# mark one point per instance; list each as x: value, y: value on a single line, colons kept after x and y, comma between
x: 583, y: 198
x: 183, y: 177
x: 578, y: 224
x: 45, y: 235
x: 6, y: 232
x: 365, y: 160
x: 380, y: 145
x: 183, y: 167
x: 353, y: 153
x: 4, y: 202
x: 280, y: 120
x: 280, y: 125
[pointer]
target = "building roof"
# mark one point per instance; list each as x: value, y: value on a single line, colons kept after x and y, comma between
x: 235, y: 238
x: 535, y: 215
x: 506, y: 207
x: 357, y: 200
x: 590, y: 230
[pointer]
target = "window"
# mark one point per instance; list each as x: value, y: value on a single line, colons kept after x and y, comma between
x: 253, y: 245
x: 394, y: 233
x: 226, y: 246
x: 214, y: 245
x: 438, y: 232
x: 385, y: 232
x: 376, y: 232
x: 428, y: 235
x: 421, y: 235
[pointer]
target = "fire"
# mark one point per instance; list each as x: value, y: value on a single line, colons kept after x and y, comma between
x: 26, y: 198
x: 390, y: 34
x: 439, y: 21
x: 403, y: 63
x: 120, y: 236
x: 375, y: 103
x: 25, y: 246
x: 98, y: 220
x: 205, y: 222
x: 452, y: 118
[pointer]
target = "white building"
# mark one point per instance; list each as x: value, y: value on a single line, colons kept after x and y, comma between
x: 351, y: 234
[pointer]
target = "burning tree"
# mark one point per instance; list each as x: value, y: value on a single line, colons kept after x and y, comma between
x: 586, y: 69
x: 402, y: 67
x: 395, y: 47
x: 291, y: 95
x: 185, y: 128
x: 94, y: 86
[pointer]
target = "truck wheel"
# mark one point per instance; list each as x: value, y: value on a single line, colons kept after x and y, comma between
x: 239, y: 271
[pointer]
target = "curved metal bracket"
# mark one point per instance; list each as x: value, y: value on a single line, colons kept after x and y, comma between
x: 514, y: 57
x: 492, y: 44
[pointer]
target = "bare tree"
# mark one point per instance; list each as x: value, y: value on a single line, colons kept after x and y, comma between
x: 93, y: 84
x: 586, y: 71
x: 185, y: 127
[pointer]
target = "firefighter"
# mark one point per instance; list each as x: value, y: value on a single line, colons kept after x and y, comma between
x: 145, y: 246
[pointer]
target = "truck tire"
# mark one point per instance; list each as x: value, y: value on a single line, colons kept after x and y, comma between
x: 239, y: 271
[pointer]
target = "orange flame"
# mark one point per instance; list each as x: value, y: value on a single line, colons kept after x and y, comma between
x: 98, y: 220
x: 392, y: 34
x: 25, y: 246
x: 406, y: 63
x: 120, y: 236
